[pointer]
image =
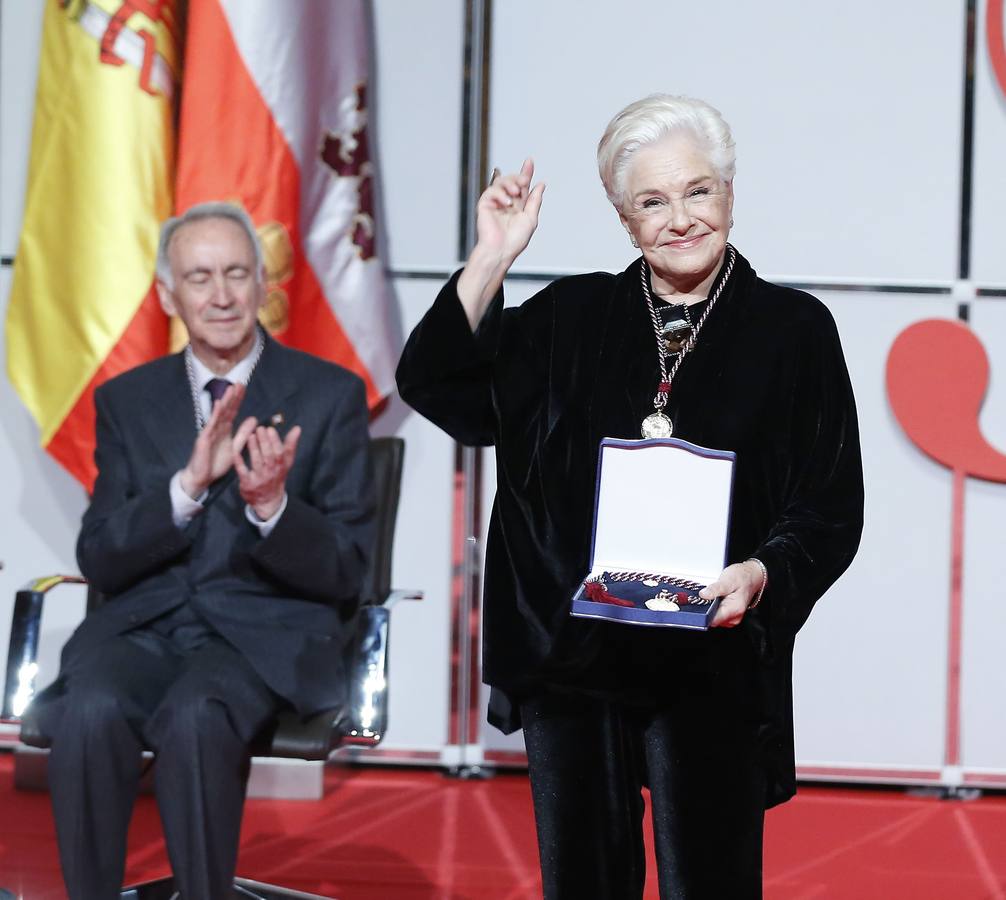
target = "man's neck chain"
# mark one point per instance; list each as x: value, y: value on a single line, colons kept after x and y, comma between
x: 196, y: 391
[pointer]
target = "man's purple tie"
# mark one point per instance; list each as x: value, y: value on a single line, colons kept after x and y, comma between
x: 216, y: 387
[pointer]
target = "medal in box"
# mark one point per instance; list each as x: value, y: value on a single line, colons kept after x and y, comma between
x: 661, y: 520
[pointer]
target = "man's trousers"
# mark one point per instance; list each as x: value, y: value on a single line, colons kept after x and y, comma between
x: 197, y: 705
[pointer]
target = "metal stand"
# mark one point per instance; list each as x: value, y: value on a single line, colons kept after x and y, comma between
x: 946, y: 792
x: 469, y: 772
x: 463, y: 756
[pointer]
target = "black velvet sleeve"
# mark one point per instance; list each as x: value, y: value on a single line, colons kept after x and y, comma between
x: 445, y: 372
x: 817, y: 531
x: 465, y: 381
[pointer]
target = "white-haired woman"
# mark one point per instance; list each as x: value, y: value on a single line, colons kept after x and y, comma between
x: 703, y: 719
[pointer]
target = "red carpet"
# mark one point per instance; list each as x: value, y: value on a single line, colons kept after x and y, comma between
x: 383, y: 834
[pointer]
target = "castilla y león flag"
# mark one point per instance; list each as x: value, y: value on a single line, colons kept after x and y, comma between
x: 82, y: 306
x: 274, y: 117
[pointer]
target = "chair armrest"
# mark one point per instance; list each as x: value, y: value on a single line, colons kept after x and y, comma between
x: 22, y: 656
x: 394, y: 596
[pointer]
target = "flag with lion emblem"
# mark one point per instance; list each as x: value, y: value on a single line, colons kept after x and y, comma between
x: 274, y: 116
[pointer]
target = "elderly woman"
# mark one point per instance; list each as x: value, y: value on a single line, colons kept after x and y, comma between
x: 704, y: 719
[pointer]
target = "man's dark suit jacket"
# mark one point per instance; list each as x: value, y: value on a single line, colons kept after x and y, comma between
x: 283, y: 601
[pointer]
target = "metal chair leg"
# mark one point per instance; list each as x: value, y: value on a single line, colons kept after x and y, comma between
x: 258, y: 891
x: 244, y: 889
x: 161, y: 889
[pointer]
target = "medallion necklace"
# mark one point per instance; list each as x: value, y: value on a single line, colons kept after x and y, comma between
x: 657, y: 424
x: 195, y: 389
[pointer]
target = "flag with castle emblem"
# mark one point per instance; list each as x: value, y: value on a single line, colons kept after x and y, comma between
x: 82, y: 306
x: 274, y: 116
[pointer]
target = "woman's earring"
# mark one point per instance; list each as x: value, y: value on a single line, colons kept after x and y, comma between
x: 632, y: 239
x: 731, y: 221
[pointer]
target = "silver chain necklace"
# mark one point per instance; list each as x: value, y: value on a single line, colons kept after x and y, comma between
x: 196, y: 390
x: 657, y: 424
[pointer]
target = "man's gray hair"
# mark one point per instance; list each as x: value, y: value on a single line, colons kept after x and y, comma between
x: 653, y: 118
x: 212, y: 210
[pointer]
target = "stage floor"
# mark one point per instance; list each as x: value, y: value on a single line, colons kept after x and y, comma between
x: 403, y: 834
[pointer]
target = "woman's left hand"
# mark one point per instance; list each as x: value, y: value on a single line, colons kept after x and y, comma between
x: 737, y: 585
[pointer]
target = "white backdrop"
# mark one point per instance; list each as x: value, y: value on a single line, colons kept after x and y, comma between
x: 42, y: 504
x: 989, y: 258
x: 848, y: 124
x: 846, y: 117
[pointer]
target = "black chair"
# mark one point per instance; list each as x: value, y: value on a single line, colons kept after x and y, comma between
x: 362, y: 722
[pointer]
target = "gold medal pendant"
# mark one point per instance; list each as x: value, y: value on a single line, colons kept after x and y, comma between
x: 657, y: 425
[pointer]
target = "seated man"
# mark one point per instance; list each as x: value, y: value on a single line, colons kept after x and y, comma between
x: 231, y: 562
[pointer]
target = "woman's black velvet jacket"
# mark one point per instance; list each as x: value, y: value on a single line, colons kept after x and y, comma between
x: 544, y: 382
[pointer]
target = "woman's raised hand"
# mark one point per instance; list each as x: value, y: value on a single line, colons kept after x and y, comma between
x: 506, y: 217
x: 507, y: 213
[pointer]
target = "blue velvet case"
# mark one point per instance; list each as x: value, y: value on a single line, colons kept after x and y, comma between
x: 649, y: 559
x: 626, y: 601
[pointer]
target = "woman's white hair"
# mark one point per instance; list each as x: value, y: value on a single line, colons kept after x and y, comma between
x: 653, y: 118
x: 211, y: 210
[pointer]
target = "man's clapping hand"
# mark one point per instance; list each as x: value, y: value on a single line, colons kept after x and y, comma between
x: 212, y: 452
x: 263, y: 483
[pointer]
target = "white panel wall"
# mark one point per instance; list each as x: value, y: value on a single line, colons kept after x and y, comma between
x: 846, y: 116
x: 42, y: 504
x: 988, y: 241
x: 420, y: 632
x: 42, y: 509
x: 869, y: 669
x: 983, y: 676
x: 419, y: 56
x: 20, y: 29
x: 848, y: 122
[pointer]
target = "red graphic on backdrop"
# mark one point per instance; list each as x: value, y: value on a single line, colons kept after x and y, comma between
x: 348, y: 155
x: 997, y: 40
x: 937, y: 375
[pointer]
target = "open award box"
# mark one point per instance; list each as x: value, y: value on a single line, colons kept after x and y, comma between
x: 661, y: 518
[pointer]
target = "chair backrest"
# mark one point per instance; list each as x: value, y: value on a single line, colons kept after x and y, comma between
x: 364, y: 718
x: 387, y: 455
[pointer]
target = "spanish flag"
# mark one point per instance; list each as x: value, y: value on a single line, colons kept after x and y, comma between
x: 82, y: 307
x: 275, y: 116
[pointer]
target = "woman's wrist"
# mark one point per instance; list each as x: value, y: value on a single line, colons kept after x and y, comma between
x: 761, y: 573
x: 479, y: 281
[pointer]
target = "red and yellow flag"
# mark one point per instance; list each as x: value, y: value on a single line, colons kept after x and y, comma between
x: 274, y: 116
x: 82, y: 308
